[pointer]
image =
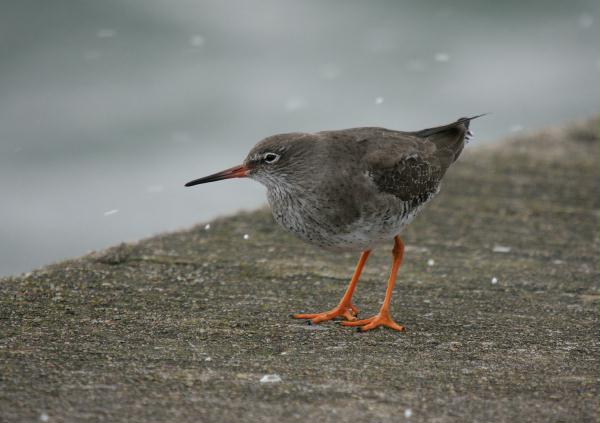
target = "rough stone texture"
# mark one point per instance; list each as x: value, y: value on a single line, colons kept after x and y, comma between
x: 182, y: 327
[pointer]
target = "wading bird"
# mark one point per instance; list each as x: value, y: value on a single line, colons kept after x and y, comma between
x: 352, y: 190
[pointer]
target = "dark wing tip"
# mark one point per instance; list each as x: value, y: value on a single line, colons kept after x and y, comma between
x: 462, y: 122
x: 467, y: 120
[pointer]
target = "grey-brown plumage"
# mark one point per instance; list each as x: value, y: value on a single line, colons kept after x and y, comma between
x: 352, y: 190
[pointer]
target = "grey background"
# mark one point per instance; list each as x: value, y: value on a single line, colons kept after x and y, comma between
x: 107, y: 108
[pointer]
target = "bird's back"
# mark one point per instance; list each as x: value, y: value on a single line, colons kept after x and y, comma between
x: 408, y: 165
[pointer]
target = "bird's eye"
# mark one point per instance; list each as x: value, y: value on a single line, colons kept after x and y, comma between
x: 271, y: 158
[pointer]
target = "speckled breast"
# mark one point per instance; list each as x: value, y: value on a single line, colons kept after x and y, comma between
x: 372, y: 227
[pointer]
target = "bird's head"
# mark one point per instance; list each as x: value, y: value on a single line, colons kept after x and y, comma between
x: 276, y: 161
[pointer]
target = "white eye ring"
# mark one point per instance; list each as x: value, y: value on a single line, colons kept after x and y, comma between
x: 271, y: 158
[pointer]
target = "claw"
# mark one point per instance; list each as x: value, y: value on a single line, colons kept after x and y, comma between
x: 358, y: 322
x: 380, y: 319
x: 341, y: 311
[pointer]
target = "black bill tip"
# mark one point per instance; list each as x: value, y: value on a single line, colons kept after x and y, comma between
x: 232, y: 172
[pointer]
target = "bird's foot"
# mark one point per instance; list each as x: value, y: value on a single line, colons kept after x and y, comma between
x: 382, y: 318
x: 343, y: 311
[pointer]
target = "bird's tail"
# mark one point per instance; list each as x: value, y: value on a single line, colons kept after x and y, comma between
x: 467, y: 121
x: 463, y: 121
x: 450, y: 139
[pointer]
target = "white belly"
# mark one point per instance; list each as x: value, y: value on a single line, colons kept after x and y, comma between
x: 367, y: 234
x: 375, y: 225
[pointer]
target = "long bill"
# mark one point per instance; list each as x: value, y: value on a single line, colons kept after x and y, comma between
x: 233, y: 172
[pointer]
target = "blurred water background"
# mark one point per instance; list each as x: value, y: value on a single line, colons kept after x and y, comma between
x: 108, y: 107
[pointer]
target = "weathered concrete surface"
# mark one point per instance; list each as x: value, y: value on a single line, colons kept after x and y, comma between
x: 182, y: 327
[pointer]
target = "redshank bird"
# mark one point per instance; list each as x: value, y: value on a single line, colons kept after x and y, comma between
x: 352, y: 190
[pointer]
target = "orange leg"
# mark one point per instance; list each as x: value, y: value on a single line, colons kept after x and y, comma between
x: 383, y: 318
x: 344, y: 309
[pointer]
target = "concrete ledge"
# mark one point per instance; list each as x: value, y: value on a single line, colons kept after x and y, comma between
x: 182, y: 327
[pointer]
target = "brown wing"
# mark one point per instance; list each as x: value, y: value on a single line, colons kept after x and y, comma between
x: 408, y: 165
x: 412, y: 165
x: 412, y: 177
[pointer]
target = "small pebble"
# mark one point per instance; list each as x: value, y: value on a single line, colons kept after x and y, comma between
x: 295, y: 103
x: 516, y: 128
x: 154, y: 189
x: 442, y: 57
x: 197, y: 40
x: 270, y: 379
x: 106, y: 33
x: 330, y: 71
